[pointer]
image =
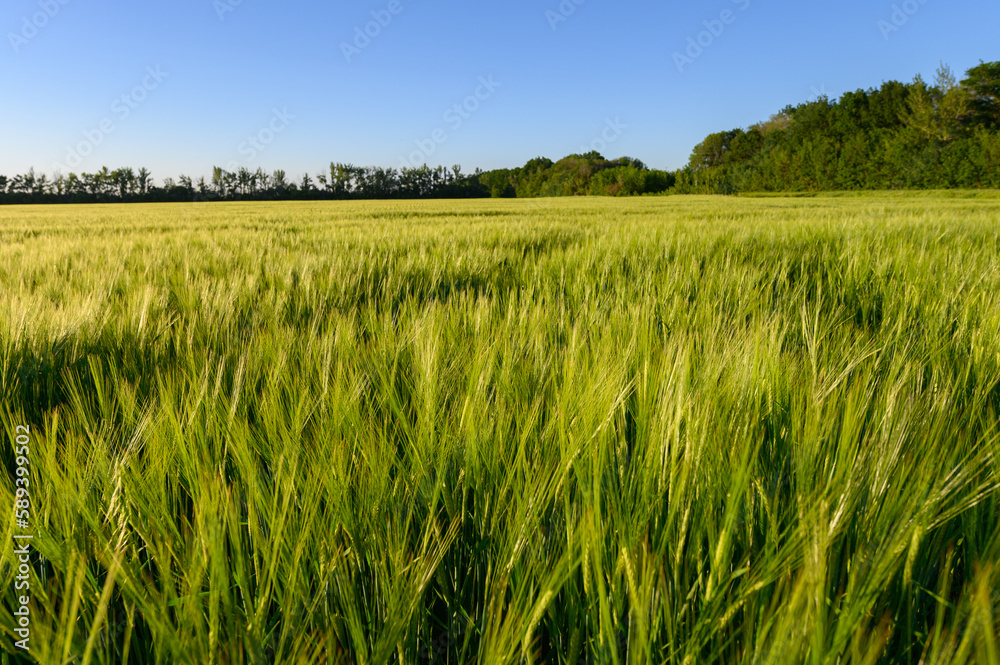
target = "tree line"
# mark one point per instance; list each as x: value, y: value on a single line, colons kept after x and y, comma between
x: 573, y: 175
x: 899, y: 136
x: 920, y: 135
x: 343, y: 181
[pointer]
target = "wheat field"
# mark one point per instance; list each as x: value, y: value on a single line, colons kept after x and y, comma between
x: 653, y: 430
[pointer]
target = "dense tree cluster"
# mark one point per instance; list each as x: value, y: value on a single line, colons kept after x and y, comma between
x: 911, y: 136
x: 577, y: 175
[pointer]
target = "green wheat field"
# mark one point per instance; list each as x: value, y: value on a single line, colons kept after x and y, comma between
x: 656, y: 430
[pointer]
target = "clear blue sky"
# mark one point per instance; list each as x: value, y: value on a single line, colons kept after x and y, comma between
x: 226, y: 66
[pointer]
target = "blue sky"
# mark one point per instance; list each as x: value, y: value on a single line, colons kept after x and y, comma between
x: 181, y: 86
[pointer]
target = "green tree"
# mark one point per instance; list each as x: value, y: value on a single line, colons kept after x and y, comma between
x: 145, y: 180
x: 937, y: 112
x: 219, y: 181
x: 307, y: 184
x: 983, y: 85
x: 279, y: 182
x: 187, y: 185
x: 713, y: 150
x: 498, y: 183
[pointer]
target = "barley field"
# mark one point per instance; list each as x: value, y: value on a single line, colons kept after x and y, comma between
x: 656, y: 430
